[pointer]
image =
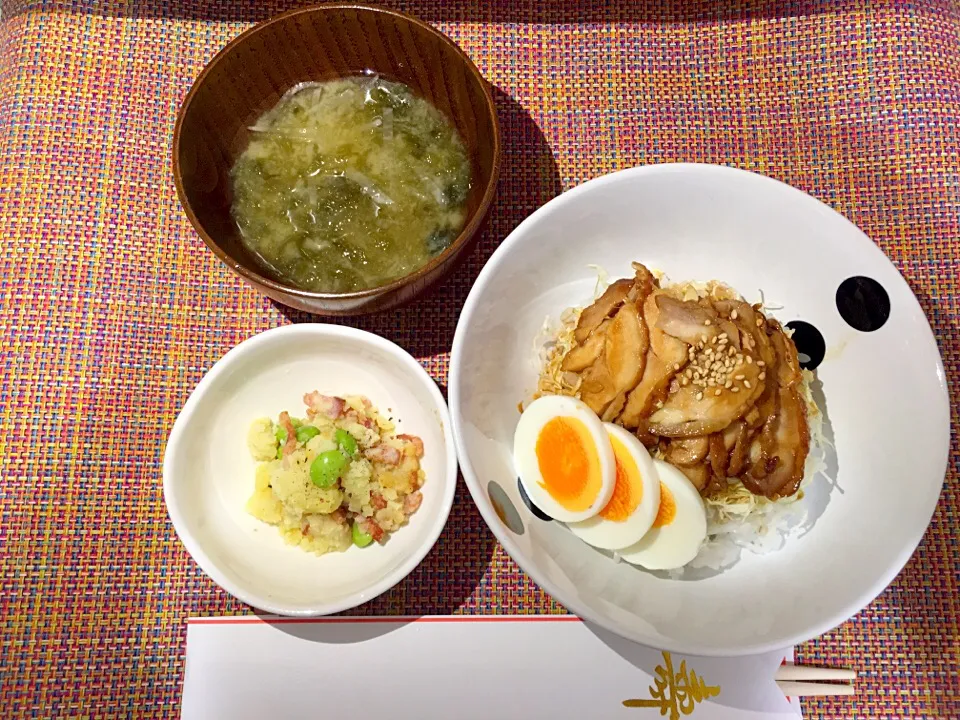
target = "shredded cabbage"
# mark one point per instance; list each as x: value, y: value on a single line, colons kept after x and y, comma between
x: 603, y: 280
x: 558, y: 342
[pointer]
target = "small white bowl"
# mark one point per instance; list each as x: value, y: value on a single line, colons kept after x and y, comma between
x: 208, y: 471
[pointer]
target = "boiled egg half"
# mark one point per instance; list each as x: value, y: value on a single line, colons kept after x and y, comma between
x: 564, y: 458
x: 679, y: 528
x: 632, y: 509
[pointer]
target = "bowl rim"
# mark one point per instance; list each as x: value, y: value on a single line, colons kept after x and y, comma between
x: 389, y: 580
x: 475, y: 487
x: 470, y: 229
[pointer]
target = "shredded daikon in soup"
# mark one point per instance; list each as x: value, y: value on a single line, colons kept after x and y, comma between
x: 350, y: 184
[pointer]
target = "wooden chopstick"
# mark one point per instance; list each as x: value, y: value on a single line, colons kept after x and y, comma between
x: 791, y: 688
x: 805, y: 681
x: 810, y: 673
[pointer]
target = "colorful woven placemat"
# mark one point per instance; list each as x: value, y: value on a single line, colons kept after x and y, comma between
x: 112, y: 308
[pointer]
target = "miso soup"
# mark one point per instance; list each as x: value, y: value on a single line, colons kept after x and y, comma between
x: 350, y: 184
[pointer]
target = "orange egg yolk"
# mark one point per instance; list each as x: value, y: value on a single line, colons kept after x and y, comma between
x: 668, y: 508
x: 569, y: 463
x: 628, y: 491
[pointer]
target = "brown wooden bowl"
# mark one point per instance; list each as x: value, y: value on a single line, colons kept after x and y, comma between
x: 249, y: 76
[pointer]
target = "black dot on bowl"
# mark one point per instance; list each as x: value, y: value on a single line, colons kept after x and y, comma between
x: 504, y: 507
x: 811, y: 346
x: 533, y: 508
x: 863, y: 303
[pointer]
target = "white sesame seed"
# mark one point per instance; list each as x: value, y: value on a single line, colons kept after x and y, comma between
x: 703, y: 339
x: 733, y: 315
x: 746, y: 384
x: 734, y: 389
x: 763, y: 375
x: 699, y: 396
x: 760, y: 363
x: 713, y: 340
x: 727, y: 384
x: 676, y: 366
x: 717, y: 392
x: 712, y: 382
x: 659, y: 403
x: 750, y: 360
x: 707, y: 323
x: 724, y: 336
x: 685, y: 381
x: 738, y: 377
x: 708, y: 351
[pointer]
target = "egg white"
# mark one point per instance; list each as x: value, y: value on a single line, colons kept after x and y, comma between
x: 532, y: 421
x: 677, y: 543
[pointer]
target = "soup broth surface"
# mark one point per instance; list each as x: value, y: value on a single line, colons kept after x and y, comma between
x: 350, y: 184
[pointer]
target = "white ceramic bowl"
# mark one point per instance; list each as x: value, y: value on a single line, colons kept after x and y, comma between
x: 208, y: 471
x: 885, y: 401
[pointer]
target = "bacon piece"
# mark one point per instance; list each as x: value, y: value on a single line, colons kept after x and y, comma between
x: 377, y: 502
x: 328, y: 405
x: 412, y: 502
x: 417, y: 443
x: 291, y: 444
x: 370, y: 527
x: 353, y: 416
x: 383, y: 453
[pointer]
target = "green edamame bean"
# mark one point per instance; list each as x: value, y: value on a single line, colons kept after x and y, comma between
x: 360, y: 538
x: 327, y: 467
x: 306, y: 432
x: 346, y: 441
